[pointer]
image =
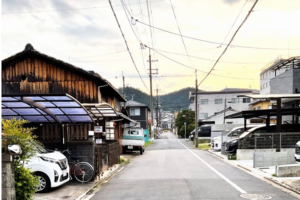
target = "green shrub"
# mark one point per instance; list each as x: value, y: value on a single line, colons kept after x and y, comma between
x: 148, y: 143
x: 25, y: 182
x: 14, y: 133
x: 231, y: 156
x: 204, y: 146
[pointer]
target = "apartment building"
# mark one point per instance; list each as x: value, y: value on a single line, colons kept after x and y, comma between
x: 212, y: 102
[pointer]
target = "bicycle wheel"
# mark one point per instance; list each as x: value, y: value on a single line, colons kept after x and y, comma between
x: 83, y: 172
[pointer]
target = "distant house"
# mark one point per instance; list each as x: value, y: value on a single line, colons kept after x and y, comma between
x: 138, y: 112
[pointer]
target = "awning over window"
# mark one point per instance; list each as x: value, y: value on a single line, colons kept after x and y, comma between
x: 100, y: 110
x: 44, y: 108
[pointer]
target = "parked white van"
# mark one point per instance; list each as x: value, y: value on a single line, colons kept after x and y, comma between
x: 51, y: 168
x: 133, y: 140
x: 231, y: 134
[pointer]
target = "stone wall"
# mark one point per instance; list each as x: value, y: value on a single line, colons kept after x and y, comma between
x: 8, y: 178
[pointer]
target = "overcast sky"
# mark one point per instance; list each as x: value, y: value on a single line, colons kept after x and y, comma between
x: 86, y: 34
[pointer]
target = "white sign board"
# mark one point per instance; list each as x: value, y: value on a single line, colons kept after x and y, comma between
x: 91, y: 133
x: 98, y: 129
x: 98, y: 141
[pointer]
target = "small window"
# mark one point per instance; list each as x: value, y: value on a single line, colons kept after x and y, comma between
x: 218, y: 101
x: 134, y: 111
x: 204, y: 101
x: 203, y: 115
x: 246, y: 100
x: 233, y: 100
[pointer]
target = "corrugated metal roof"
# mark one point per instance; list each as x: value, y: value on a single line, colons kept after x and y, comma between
x: 270, y: 96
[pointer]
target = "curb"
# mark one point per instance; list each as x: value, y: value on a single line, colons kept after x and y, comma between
x: 100, y: 181
x: 253, y: 171
x: 282, y: 185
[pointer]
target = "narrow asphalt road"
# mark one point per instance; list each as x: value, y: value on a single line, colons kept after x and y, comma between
x: 173, y: 169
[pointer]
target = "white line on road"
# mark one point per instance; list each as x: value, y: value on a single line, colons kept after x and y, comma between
x: 213, y: 169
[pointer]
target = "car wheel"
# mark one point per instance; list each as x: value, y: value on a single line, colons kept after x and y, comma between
x: 44, y: 182
x: 141, y: 151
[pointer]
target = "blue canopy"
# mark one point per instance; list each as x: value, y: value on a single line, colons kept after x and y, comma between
x: 44, y: 108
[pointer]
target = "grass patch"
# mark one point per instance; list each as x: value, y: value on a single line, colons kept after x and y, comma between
x: 148, y: 143
x: 123, y: 161
x: 274, y: 175
x: 204, y: 146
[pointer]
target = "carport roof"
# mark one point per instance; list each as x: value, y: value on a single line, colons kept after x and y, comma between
x: 263, y: 113
x: 44, y: 108
x: 100, y: 110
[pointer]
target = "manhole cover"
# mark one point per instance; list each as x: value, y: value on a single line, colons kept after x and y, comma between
x: 255, y: 196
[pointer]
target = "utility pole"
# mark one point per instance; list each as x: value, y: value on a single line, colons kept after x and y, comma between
x: 196, y: 112
x: 151, y: 97
x: 123, y: 92
x: 156, y: 110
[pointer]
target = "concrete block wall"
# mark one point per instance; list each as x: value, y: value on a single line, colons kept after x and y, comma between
x: 247, y: 154
x: 8, y: 178
x: 266, y: 159
x: 288, y: 170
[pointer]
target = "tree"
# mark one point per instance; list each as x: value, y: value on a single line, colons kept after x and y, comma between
x: 188, y: 117
x: 14, y: 133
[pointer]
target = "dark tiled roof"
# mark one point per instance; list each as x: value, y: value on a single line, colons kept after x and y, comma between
x: 29, y: 50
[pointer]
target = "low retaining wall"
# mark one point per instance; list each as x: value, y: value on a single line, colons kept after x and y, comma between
x: 288, y: 170
x: 266, y: 159
x: 247, y: 154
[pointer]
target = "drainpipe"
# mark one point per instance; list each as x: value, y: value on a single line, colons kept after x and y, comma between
x: 99, y: 93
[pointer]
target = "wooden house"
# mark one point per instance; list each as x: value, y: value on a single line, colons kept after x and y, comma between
x: 32, y: 72
x: 139, y: 112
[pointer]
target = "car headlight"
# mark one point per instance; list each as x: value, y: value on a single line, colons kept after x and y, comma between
x: 51, y: 160
x: 217, y: 140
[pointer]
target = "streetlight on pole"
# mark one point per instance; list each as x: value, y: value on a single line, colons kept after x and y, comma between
x: 184, y: 126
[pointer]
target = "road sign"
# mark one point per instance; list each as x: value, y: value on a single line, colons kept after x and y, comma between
x: 184, y: 123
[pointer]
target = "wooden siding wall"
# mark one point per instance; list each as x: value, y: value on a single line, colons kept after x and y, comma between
x: 52, y: 132
x: 36, y: 76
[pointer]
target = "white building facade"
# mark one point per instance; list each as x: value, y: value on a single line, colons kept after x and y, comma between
x: 211, y: 102
x: 267, y: 73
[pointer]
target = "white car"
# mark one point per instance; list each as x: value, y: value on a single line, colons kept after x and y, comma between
x: 51, y: 168
x: 233, y: 133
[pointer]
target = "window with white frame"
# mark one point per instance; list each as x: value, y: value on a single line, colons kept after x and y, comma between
x: 218, y: 101
x: 203, y: 101
x: 203, y: 115
x: 234, y: 100
x: 117, y: 105
x: 134, y: 111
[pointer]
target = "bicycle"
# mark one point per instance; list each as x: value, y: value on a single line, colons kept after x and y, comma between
x: 82, y: 171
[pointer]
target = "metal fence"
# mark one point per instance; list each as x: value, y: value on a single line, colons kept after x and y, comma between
x: 270, y: 141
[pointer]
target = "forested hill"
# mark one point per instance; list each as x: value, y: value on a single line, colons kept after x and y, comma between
x: 169, y: 102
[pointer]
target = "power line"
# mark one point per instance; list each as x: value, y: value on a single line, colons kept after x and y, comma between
x: 208, y: 59
x: 180, y: 33
x: 228, y: 44
x: 211, y: 42
x: 127, y: 44
x: 137, y: 37
x: 64, y: 10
